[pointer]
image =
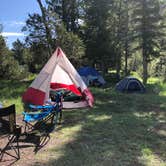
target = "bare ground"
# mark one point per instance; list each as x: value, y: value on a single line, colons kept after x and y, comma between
x: 29, y: 145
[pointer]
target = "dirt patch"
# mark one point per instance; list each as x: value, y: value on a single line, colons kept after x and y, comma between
x: 30, y: 144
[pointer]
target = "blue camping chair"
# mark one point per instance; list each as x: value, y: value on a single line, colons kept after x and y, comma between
x: 38, y: 115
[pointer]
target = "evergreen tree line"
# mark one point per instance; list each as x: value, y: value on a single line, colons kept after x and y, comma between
x: 120, y: 35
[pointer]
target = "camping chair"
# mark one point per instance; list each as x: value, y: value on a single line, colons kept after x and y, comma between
x: 9, y: 129
x: 37, y: 115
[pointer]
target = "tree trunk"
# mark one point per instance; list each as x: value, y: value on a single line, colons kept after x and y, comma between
x: 104, y: 68
x: 144, y: 44
x: 126, y: 59
x: 118, y: 66
x: 48, y: 33
x: 145, y: 66
x: 126, y: 39
x: 65, y: 15
x: 73, y: 16
x: 118, y: 56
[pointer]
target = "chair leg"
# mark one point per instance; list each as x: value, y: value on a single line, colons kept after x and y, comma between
x: 11, y: 140
x: 60, y: 117
x: 3, y: 151
x: 17, y: 150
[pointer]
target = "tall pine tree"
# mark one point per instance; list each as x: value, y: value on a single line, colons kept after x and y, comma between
x: 147, y: 30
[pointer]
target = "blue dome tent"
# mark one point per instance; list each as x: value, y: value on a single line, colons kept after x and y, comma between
x: 91, y: 76
x: 131, y: 85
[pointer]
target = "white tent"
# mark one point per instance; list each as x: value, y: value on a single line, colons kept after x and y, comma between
x: 58, y: 73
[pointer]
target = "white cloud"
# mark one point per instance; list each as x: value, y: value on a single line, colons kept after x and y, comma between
x: 7, y: 34
x: 18, y: 23
x: 14, y: 23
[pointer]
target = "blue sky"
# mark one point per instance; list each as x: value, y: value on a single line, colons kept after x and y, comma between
x: 13, y: 14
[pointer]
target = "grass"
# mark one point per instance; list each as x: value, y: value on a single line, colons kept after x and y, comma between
x: 121, y: 129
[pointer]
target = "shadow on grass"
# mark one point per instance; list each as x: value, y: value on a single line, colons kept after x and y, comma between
x: 118, y: 131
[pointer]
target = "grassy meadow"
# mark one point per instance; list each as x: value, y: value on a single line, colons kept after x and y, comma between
x: 121, y: 129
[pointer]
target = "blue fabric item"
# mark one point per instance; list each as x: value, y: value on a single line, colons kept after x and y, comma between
x: 41, y: 111
x: 36, y: 116
x: 85, y: 71
x: 41, y: 106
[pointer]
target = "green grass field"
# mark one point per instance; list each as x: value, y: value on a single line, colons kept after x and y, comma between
x: 121, y: 129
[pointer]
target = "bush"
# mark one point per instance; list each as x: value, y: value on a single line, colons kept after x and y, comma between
x: 9, y: 66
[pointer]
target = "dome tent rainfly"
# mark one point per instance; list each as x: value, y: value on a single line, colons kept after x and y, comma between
x: 90, y: 76
x: 58, y: 73
x: 130, y: 84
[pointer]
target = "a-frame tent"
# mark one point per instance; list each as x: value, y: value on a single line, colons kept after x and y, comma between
x: 58, y: 73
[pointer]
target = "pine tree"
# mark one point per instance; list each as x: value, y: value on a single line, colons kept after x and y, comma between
x: 147, y: 30
x: 96, y: 33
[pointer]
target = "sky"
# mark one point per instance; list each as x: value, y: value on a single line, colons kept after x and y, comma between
x: 13, y: 14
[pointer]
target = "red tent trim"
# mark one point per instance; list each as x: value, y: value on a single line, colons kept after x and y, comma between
x: 34, y: 96
x: 72, y: 88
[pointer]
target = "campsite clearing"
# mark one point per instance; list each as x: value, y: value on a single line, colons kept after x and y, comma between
x: 121, y: 129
